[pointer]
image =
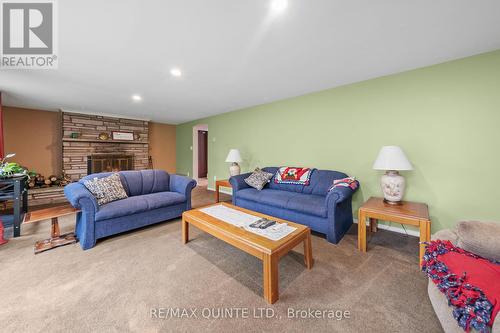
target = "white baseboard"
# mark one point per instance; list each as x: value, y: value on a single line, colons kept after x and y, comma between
x: 392, y: 228
x: 221, y: 190
x: 399, y: 230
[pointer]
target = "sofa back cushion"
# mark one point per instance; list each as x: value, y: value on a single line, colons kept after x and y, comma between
x: 319, y: 183
x: 481, y: 238
x: 139, y: 182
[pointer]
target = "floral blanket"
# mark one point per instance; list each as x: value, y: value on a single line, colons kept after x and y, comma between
x: 292, y: 175
x: 470, y: 283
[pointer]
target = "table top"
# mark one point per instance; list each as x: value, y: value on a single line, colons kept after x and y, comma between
x: 223, y: 182
x: 407, y: 209
x: 256, y: 241
x: 48, y: 213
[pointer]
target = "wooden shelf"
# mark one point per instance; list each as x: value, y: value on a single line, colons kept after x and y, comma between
x: 104, y: 141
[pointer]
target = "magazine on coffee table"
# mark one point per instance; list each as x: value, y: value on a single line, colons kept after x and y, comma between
x: 243, y: 220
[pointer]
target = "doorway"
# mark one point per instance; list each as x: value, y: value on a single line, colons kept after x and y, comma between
x: 200, y: 154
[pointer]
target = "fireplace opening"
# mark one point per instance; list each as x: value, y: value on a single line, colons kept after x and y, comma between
x: 109, y: 163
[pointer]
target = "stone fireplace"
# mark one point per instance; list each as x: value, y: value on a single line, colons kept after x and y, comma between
x: 88, y: 146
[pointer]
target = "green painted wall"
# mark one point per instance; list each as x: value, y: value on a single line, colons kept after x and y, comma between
x: 446, y: 118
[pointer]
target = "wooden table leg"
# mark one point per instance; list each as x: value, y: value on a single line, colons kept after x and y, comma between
x: 56, y: 239
x: 362, y: 231
x: 425, y: 236
x: 54, y: 230
x: 271, y: 291
x: 373, y: 225
x: 185, y: 231
x: 308, y: 258
x: 217, y: 193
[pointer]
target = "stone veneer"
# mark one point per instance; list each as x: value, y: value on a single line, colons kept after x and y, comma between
x: 88, y: 127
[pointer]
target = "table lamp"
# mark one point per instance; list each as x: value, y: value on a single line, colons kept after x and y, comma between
x: 234, y: 157
x: 392, y: 159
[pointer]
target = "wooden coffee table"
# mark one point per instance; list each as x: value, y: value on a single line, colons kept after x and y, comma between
x: 267, y: 250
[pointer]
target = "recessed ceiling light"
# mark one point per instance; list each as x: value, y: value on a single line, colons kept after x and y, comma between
x: 136, y: 98
x: 176, y: 72
x: 278, y: 6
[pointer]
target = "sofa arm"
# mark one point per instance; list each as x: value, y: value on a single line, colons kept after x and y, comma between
x: 80, y: 197
x: 339, y: 212
x: 238, y: 182
x: 182, y: 184
x: 446, y: 234
x: 339, y: 194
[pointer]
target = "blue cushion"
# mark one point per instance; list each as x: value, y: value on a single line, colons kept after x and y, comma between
x: 309, y: 204
x: 269, y: 197
x: 138, y: 182
x: 146, y: 181
x: 163, y: 199
x: 137, y: 204
x: 321, y: 181
x: 305, y: 203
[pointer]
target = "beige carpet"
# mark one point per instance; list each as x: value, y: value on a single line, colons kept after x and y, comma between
x: 114, y: 286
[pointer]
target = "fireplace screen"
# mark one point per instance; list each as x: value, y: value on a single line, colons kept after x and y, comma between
x: 109, y: 163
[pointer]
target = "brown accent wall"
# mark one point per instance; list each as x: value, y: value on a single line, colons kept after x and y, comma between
x: 162, y: 146
x: 35, y: 137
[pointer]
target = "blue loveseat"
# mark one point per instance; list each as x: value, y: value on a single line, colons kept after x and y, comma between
x: 313, y: 205
x: 154, y: 196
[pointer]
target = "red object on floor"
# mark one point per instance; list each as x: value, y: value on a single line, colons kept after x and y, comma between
x: 2, y: 153
x: 2, y: 240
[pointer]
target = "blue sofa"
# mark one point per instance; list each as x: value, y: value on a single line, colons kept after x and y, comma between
x: 326, y: 212
x: 154, y: 196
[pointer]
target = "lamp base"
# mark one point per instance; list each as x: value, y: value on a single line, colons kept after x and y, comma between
x: 234, y: 169
x: 393, y: 187
x: 393, y: 203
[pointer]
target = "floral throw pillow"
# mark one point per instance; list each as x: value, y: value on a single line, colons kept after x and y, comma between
x: 106, y: 189
x: 258, y: 179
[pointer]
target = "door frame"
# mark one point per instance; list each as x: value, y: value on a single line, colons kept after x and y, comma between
x: 196, y: 128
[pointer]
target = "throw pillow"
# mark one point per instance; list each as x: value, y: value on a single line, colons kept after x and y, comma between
x: 106, y: 189
x: 258, y: 179
x: 481, y: 238
x: 291, y: 175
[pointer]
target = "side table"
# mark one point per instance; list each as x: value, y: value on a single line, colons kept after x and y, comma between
x: 56, y: 239
x: 411, y: 213
x: 218, y: 184
x: 14, y: 188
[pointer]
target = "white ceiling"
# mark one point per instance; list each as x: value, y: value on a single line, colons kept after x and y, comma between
x: 234, y: 54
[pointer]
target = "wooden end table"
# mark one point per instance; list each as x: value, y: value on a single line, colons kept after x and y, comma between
x: 267, y: 250
x: 411, y: 213
x: 56, y: 239
x: 218, y: 184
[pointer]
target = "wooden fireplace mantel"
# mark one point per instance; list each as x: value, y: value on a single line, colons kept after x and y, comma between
x: 104, y: 141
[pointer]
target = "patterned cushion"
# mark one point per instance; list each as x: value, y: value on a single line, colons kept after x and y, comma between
x: 106, y: 189
x: 291, y: 175
x: 258, y: 179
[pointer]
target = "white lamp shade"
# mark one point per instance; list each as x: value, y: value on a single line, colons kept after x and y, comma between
x: 392, y: 158
x: 233, y: 156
